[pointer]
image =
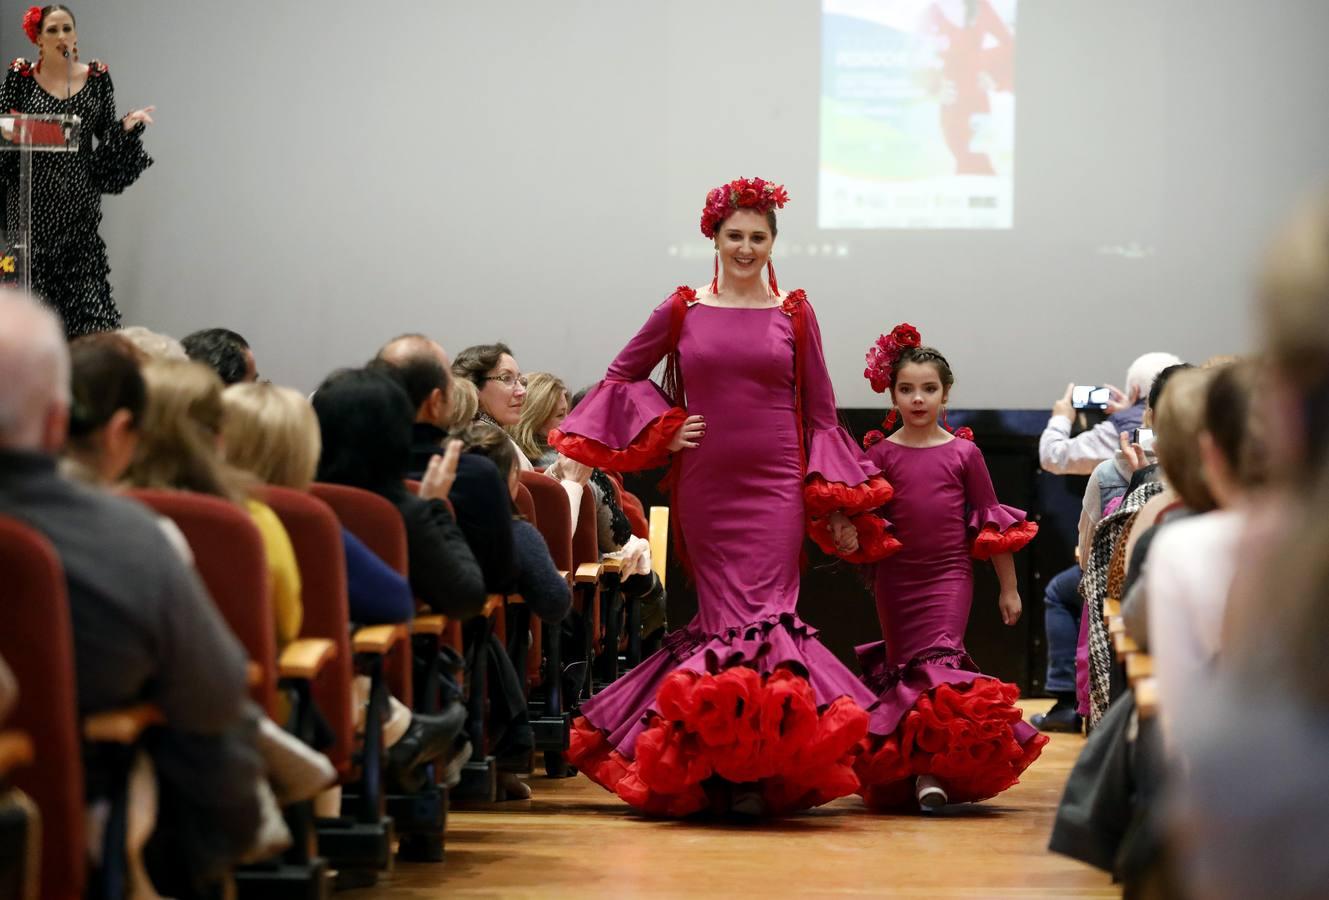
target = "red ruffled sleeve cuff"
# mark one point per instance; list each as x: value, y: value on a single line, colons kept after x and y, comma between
x: 990, y: 542
x: 822, y: 497
x: 875, y: 541
x: 649, y: 450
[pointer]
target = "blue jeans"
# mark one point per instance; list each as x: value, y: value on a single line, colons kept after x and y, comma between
x: 1061, y: 616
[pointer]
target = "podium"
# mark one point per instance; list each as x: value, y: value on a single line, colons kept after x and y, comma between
x: 26, y: 135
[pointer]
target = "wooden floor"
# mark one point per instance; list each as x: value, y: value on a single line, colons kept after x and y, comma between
x: 575, y: 840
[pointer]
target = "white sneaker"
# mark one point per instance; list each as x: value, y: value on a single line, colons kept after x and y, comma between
x: 931, y: 795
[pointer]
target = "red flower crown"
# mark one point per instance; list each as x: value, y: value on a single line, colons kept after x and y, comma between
x: 741, y: 193
x: 32, y: 22
x: 885, y: 352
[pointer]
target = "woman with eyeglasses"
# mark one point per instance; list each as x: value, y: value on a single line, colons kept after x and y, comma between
x: 502, y: 391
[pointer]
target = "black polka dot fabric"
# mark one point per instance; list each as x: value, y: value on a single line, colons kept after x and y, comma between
x: 69, y: 267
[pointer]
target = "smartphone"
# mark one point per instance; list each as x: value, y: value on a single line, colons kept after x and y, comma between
x: 1145, y: 438
x: 1084, y: 396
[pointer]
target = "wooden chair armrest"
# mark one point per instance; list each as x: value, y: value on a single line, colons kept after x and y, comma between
x: 121, y: 726
x: 377, y: 639
x: 1139, y: 666
x: 588, y: 573
x: 493, y: 603
x: 1116, y: 625
x: 566, y: 576
x: 253, y: 674
x: 1146, y: 697
x: 1111, y: 608
x: 429, y: 624
x: 516, y: 600
x: 1124, y: 645
x: 611, y: 565
x: 305, y: 658
x: 15, y: 750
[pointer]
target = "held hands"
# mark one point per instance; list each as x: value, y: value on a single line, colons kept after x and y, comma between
x: 690, y: 435
x: 143, y: 115
x: 570, y: 470
x: 441, y: 473
x: 845, y: 536
x: 1009, y: 603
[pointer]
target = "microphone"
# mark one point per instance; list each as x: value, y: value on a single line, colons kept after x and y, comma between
x: 69, y: 75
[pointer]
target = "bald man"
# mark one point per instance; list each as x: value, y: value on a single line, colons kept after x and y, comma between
x: 144, y: 627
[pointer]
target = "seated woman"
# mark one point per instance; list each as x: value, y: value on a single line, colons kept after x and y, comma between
x: 272, y: 433
x: 545, y: 408
x: 502, y: 392
x: 364, y: 420
x: 180, y: 448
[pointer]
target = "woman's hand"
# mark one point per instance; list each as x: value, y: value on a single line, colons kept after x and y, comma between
x: 690, y: 435
x: 441, y: 473
x: 144, y: 115
x: 571, y: 470
x: 1134, y: 453
x: 1009, y: 603
x: 843, y: 533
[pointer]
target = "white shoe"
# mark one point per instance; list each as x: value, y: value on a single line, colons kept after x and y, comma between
x: 931, y: 795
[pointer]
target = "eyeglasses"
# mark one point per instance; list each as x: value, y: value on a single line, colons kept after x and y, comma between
x: 509, y: 380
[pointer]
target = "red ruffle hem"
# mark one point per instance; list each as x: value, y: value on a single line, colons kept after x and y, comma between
x: 735, y: 729
x: 962, y: 734
x: 649, y: 450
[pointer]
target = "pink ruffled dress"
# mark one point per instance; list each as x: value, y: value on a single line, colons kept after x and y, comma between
x: 940, y: 714
x: 744, y: 695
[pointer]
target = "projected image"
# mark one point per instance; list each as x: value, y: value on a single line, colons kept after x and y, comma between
x: 917, y: 114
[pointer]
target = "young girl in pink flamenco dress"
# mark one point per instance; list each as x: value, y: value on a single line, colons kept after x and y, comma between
x: 953, y: 734
x: 743, y: 710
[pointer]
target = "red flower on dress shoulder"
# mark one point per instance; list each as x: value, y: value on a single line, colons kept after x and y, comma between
x: 964, y: 433
x: 687, y: 293
x: 22, y: 67
x: 792, y: 301
x: 872, y: 438
x: 96, y: 68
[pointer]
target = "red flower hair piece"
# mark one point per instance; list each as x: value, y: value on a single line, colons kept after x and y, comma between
x: 32, y: 22
x: 885, y: 352
x: 741, y: 193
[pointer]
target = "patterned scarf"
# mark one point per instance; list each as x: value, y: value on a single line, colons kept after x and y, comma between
x: 1094, y: 590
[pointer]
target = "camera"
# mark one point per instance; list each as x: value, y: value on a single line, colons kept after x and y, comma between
x: 1084, y: 396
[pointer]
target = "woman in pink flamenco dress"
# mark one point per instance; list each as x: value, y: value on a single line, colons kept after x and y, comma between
x: 743, y: 710
x: 953, y: 733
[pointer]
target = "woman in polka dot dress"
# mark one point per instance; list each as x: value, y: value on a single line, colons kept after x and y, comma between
x: 69, y: 267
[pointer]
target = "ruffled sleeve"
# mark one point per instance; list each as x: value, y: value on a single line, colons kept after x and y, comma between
x: 626, y: 422
x: 119, y: 158
x: 839, y: 477
x: 994, y: 528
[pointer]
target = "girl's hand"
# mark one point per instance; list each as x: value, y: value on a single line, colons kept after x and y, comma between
x: 690, y: 435
x: 1009, y: 603
x: 441, y: 473
x: 143, y: 115
x: 843, y: 533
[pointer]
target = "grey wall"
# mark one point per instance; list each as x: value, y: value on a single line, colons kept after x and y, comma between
x: 329, y: 174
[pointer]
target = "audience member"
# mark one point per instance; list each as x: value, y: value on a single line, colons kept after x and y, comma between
x: 477, y: 494
x: 144, y: 628
x: 1061, y: 454
x: 224, y: 352
x: 153, y: 345
x: 179, y: 448
x: 364, y: 419
x: 545, y: 408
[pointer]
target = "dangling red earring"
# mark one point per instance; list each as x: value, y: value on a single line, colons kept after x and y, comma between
x: 891, y: 417
x: 944, y: 423
x: 775, y: 288
x: 715, y: 279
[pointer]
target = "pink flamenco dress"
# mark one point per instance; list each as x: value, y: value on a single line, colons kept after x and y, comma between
x: 940, y: 715
x: 743, y: 709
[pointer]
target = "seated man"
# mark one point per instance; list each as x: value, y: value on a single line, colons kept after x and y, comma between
x: 225, y: 352
x: 144, y: 628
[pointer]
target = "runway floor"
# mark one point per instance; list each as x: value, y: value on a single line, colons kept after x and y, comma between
x: 573, y: 839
